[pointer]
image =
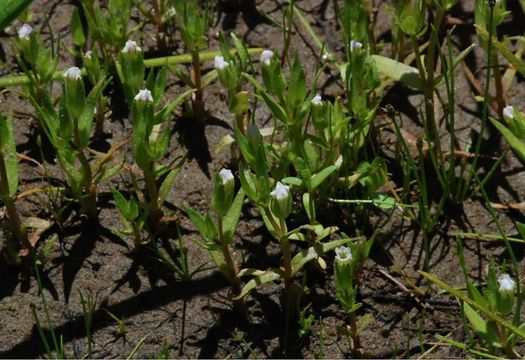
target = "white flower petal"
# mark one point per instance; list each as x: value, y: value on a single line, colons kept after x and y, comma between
x: 73, y: 73
x: 508, y: 112
x: 220, y: 64
x: 506, y: 284
x: 131, y: 46
x: 24, y: 31
x: 317, y: 100
x: 226, y: 176
x: 266, y: 57
x: 281, y: 192
x: 343, y: 253
x: 144, y: 95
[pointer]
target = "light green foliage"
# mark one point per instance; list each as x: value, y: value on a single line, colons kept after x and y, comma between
x: 193, y: 23
x: 8, y: 160
x: 10, y: 9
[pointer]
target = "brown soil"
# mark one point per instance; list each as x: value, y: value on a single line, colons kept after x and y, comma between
x: 194, y: 318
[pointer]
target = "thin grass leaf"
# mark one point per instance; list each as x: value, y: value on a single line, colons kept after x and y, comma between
x: 10, y: 9
x: 516, y: 144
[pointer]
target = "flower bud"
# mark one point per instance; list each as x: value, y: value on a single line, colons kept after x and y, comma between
x: 355, y: 45
x: 74, y: 91
x: 131, y: 47
x: 505, y: 298
x: 144, y: 95
x: 226, y: 77
x: 515, y: 120
x: 281, y: 201
x: 266, y: 57
x: 25, y: 31
x: 343, y: 269
x: 223, y: 193
x: 220, y: 64
x: 319, y: 118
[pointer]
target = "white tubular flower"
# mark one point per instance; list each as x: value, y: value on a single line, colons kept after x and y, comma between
x: 508, y: 112
x: 317, y: 100
x: 343, y: 254
x: 24, y: 31
x: 220, y: 64
x: 506, y: 284
x: 266, y: 57
x: 355, y: 45
x: 144, y: 95
x: 226, y: 177
x: 73, y: 73
x: 281, y: 201
x: 281, y: 192
x: 88, y: 54
x: 130, y: 47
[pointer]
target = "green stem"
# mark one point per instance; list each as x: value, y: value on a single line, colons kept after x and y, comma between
x: 233, y: 268
x: 198, y: 102
x: 148, y: 63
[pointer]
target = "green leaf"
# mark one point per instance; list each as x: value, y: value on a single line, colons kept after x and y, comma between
x: 275, y: 108
x: 399, y: 71
x: 166, y: 184
x: 511, y: 58
x: 203, y: 224
x: 493, y: 316
x: 297, y: 88
x: 264, y: 278
x: 313, y: 252
x: 231, y: 218
x: 85, y: 121
x: 10, y: 9
x: 515, y: 143
x: 291, y: 180
x: 321, y: 176
x: 77, y: 32
x: 8, y: 155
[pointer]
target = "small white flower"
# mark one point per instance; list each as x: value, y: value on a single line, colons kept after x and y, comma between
x: 506, y: 284
x: 317, y: 100
x: 266, y: 57
x: 88, y: 54
x: 24, y: 31
x: 144, y: 95
x: 343, y: 253
x: 73, y: 73
x: 131, y: 46
x: 508, y: 112
x: 170, y: 12
x: 355, y: 45
x: 281, y: 192
x: 226, y: 176
x: 326, y: 56
x: 220, y: 64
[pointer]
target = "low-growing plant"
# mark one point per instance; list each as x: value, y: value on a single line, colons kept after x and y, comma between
x: 69, y: 130
x: 218, y: 234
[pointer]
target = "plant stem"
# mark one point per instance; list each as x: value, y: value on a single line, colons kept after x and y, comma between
x: 14, y: 80
x: 198, y: 102
x: 233, y: 268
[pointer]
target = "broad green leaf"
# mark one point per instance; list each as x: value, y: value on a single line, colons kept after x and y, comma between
x: 516, y: 144
x: 264, y: 278
x: 311, y: 253
x: 399, y: 71
x: 10, y: 9
x: 498, y: 319
x: 8, y: 157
